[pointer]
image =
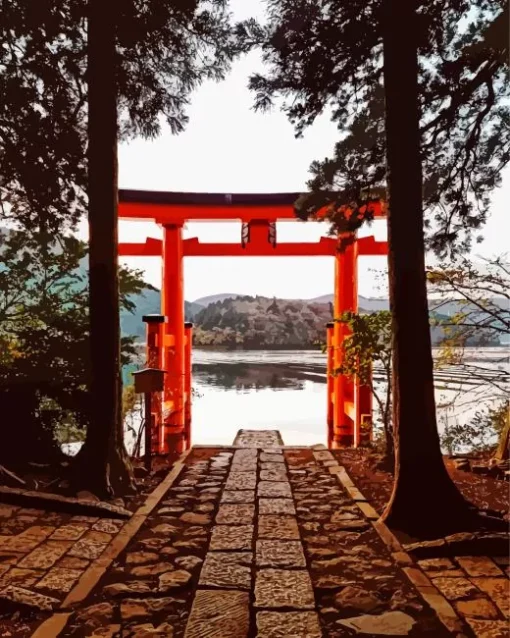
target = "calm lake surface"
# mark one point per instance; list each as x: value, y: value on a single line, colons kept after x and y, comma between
x: 286, y: 390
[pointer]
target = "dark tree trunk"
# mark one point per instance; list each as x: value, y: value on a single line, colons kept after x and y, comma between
x: 27, y: 437
x: 103, y: 462
x: 425, y: 501
x: 503, y: 449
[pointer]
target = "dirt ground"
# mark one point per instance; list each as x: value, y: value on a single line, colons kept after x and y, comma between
x: 485, y: 492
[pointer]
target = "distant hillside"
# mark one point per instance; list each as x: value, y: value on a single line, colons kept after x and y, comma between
x: 369, y: 304
x: 149, y: 303
x: 205, y: 301
x: 259, y: 322
x: 366, y: 303
x: 448, y: 308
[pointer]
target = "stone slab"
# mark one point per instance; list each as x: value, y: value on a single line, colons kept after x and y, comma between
x: 60, y: 579
x: 246, y: 465
x: 38, y: 531
x: 70, y: 532
x: 273, y: 475
x: 18, y: 543
x: 246, y: 454
x: 89, y: 549
x: 278, y: 624
x: 368, y: 510
x: 276, y: 553
x: 276, y: 588
x: 46, y: 555
x: 271, y: 458
x: 173, y: 580
x: 454, y: 588
x: 27, y: 597
x: 478, y: 566
x: 436, y: 564
x: 274, y: 489
x: 477, y: 608
x: 109, y: 525
x: 277, y: 467
x: 281, y: 527
x: 21, y: 577
x: 219, y: 614
x: 231, y: 537
x: 235, y: 514
x: 227, y: 570
x: 143, y: 608
x: 277, y: 506
x: 489, y: 628
x: 258, y: 438
x: 241, y: 481
x: 239, y: 496
x: 390, y: 623
x: 498, y: 590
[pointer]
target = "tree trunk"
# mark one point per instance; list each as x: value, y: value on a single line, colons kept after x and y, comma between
x: 103, y: 460
x: 425, y: 501
x: 503, y: 450
x: 26, y: 436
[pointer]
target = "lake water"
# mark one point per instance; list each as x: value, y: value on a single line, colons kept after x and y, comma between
x: 283, y: 390
x: 286, y: 390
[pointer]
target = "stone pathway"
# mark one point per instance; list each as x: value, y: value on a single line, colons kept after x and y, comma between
x: 267, y: 541
x: 258, y: 439
x: 478, y: 587
x: 255, y: 560
x: 43, y: 554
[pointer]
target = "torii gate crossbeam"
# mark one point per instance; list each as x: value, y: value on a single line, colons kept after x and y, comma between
x: 349, y: 404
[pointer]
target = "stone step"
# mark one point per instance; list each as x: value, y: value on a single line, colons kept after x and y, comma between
x: 258, y: 439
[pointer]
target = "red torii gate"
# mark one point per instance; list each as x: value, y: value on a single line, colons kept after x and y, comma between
x: 169, y: 340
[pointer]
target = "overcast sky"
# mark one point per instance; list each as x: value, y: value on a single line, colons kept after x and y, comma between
x: 229, y: 148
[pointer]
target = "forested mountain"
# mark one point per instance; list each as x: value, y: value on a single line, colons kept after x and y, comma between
x: 148, y: 303
x: 254, y: 322
x: 260, y: 322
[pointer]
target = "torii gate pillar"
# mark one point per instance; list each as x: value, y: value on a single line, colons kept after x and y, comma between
x: 174, y: 339
x: 345, y: 299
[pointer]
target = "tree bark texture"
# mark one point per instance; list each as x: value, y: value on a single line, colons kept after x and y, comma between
x: 105, y: 466
x: 424, y: 500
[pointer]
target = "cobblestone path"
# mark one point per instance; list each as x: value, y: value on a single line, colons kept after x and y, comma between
x: 42, y: 554
x: 262, y: 540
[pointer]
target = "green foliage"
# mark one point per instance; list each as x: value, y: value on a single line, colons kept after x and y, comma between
x: 165, y: 50
x: 369, y: 342
x: 129, y: 400
x: 44, y: 331
x: 481, y: 315
x: 483, y: 303
x: 480, y: 434
x: 326, y: 57
x: 258, y: 322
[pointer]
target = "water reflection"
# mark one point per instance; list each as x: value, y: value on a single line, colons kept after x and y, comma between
x: 284, y: 390
x: 254, y: 376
